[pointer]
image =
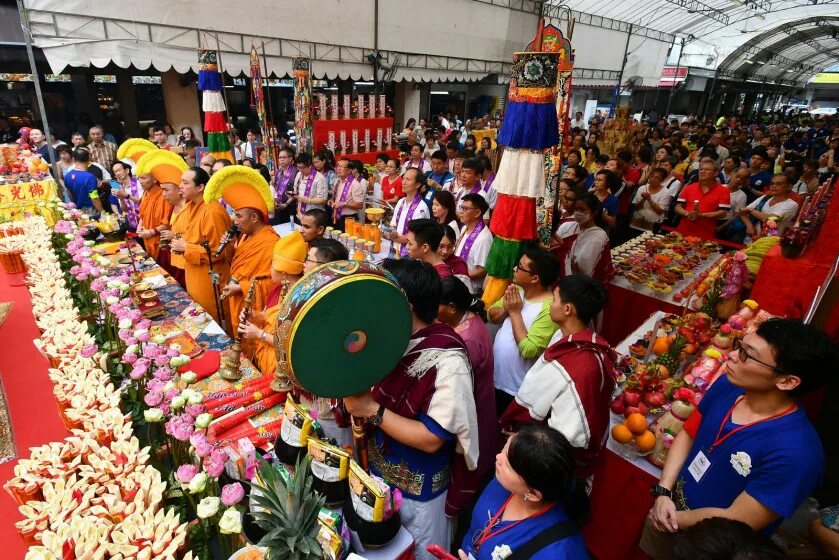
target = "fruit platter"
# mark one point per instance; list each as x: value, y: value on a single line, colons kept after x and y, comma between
x: 21, y: 165
x: 661, y: 265
x: 666, y: 367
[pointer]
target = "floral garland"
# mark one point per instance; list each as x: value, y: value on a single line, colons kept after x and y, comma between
x: 96, y: 494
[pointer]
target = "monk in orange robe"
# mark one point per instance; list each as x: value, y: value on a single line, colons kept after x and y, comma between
x: 172, y: 194
x: 286, y: 268
x: 154, y: 210
x: 251, y: 262
x: 208, y: 221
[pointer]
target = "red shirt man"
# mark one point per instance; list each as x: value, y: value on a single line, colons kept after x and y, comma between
x: 701, y: 204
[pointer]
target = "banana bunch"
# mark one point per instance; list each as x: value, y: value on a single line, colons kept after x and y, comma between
x: 757, y: 250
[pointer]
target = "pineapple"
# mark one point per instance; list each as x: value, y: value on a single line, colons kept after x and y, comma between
x: 672, y: 358
x: 289, y: 513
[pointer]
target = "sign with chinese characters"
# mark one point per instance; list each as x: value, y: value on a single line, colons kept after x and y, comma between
x: 36, y: 197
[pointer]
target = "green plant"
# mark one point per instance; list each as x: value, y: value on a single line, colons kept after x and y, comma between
x: 288, y: 511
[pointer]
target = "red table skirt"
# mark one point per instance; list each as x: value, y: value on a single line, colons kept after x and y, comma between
x: 620, y: 499
x: 625, y: 310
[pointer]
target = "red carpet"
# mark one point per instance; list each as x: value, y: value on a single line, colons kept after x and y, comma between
x: 33, y: 409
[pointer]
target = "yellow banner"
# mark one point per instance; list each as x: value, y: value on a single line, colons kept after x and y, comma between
x: 37, y: 197
x: 826, y: 78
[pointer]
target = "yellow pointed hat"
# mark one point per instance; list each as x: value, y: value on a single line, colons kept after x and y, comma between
x: 134, y: 149
x: 290, y: 253
x: 240, y: 187
x: 163, y: 165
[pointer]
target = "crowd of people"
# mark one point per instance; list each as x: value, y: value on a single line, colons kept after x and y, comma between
x: 493, y: 439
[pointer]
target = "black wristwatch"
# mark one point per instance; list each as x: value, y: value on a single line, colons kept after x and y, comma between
x: 376, y: 419
x: 659, y: 490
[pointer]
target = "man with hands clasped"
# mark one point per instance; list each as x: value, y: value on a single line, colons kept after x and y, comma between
x: 748, y: 452
x: 527, y: 328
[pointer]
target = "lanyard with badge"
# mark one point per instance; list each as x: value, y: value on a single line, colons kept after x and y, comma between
x: 701, y: 463
x: 488, y: 533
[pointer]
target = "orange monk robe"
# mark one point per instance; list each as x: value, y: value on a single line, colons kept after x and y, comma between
x: 154, y: 211
x: 207, y: 222
x: 252, y: 259
x: 265, y: 356
x: 178, y: 222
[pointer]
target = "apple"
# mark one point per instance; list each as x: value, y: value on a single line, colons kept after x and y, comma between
x: 617, y: 405
x: 631, y: 410
x: 642, y: 409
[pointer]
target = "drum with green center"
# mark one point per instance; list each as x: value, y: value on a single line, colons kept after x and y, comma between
x: 341, y: 329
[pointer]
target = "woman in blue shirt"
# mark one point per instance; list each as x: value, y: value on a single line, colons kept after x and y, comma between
x: 750, y: 454
x: 533, y: 502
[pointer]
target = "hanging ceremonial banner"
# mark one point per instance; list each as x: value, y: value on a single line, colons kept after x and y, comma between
x: 531, y: 133
x: 268, y: 157
x: 302, y: 68
x: 552, y: 40
x: 210, y: 84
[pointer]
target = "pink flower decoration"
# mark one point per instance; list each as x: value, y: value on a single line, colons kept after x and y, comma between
x: 213, y: 468
x: 232, y: 494
x: 163, y: 373
x: 195, y: 409
x: 155, y: 384
x: 181, y: 427
x: 144, y: 324
x: 153, y: 398
x: 88, y: 351
x: 185, y: 473
x: 219, y: 455
x: 144, y: 336
x: 97, y: 285
x: 129, y: 358
x: 137, y: 372
x: 202, y: 446
x: 161, y: 360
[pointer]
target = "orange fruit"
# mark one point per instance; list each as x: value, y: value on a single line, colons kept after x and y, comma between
x: 621, y: 434
x: 636, y: 423
x: 645, y: 441
x: 661, y: 345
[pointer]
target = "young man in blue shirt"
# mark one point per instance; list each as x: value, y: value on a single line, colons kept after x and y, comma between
x: 81, y: 183
x: 750, y: 453
x: 758, y: 178
x: 440, y: 176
